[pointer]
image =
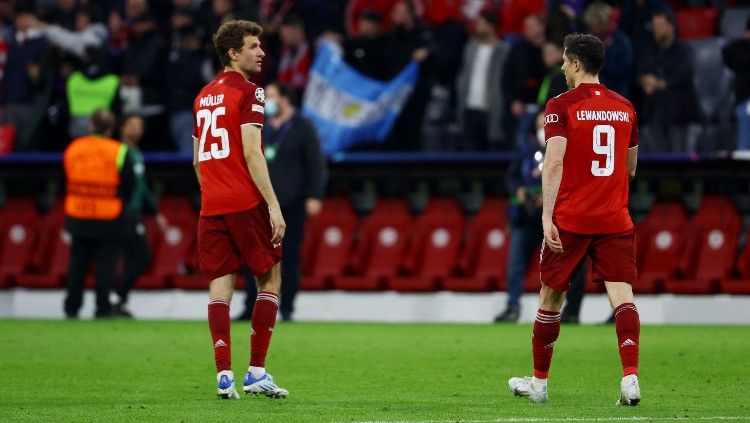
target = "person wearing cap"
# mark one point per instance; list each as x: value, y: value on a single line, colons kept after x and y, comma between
x: 365, y: 51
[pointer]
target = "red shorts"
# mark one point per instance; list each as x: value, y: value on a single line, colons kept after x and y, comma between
x: 227, y: 241
x: 612, y: 258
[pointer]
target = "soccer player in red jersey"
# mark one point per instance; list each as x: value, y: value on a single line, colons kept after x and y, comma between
x: 592, y: 150
x: 240, y: 220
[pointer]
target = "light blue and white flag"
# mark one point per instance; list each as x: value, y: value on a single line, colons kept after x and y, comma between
x: 347, y: 107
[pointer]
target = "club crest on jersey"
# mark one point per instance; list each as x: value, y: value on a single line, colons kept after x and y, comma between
x: 551, y: 118
x: 260, y: 95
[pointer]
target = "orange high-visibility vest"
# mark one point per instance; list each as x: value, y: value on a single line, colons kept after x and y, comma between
x: 92, y: 169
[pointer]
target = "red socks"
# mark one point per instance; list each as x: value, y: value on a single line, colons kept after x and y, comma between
x: 218, y: 322
x: 546, y: 330
x: 264, y: 319
x: 628, y: 328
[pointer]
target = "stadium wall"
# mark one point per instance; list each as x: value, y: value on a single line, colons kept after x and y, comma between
x: 391, y: 307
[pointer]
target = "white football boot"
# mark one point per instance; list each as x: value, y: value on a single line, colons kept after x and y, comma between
x: 630, y: 391
x: 535, y: 389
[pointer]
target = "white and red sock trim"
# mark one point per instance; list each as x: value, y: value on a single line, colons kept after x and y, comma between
x: 218, y: 301
x: 268, y: 296
x: 547, y: 318
x: 625, y: 306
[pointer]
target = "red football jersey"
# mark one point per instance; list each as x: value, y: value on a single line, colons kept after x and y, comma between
x: 221, y: 108
x: 600, y: 126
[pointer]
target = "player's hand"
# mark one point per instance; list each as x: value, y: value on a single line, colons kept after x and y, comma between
x: 278, y: 226
x: 552, y: 236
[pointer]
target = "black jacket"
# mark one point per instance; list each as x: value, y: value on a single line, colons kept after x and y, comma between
x: 737, y: 58
x: 298, y: 168
x: 677, y: 103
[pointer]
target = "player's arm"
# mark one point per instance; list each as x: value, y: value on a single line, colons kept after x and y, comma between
x: 632, y: 162
x: 256, y: 164
x: 551, y: 176
x: 196, y: 163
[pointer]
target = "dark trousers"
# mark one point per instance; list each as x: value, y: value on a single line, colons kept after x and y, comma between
x: 525, y: 238
x: 475, y: 130
x: 291, y: 261
x: 137, y: 257
x: 83, y: 251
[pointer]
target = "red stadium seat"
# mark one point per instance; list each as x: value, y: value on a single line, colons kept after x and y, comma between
x: 482, y: 262
x: 432, y: 254
x: 532, y: 282
x: 741, y: 285
x: 18, y: 230
x: 49, y: 263
x: 377, y: 255
x: 710, y: 247
x: 177, y: 208
x: 698, y: 22
x: 659, y: 238
x: 171, y: 253
x: 329, y: 239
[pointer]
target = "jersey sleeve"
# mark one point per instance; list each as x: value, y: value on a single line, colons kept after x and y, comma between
x: 634, y: 132
x: 555, y: 120
x: 252, y: 105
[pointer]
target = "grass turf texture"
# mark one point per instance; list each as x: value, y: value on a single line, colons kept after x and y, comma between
x: 163, y: 371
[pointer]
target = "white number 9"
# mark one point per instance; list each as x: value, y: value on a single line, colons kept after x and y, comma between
x: 607, y: 150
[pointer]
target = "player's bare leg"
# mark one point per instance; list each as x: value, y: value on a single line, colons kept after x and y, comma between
x: 220, y: 295
x: 257, y: 380
x: 546, y: 330
x: 628, y: 327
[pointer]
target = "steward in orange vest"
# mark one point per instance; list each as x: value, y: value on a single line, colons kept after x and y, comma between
x: 100, y: 179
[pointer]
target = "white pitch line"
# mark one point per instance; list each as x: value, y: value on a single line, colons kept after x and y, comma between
x: 570, y: 419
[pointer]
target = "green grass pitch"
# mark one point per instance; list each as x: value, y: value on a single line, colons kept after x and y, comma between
x: 119, y: 371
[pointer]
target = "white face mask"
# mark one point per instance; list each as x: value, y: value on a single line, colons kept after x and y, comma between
x: 540, y: 137
x: 271, y: 108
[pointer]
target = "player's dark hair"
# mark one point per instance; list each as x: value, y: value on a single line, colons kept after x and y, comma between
x: 586, y: 48
x: 285, y: 91
x: 103, y: 122
x: 231, y: 35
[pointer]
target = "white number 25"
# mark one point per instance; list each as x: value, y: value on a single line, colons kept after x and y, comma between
x: 208, y: 118
x: 607, y: 150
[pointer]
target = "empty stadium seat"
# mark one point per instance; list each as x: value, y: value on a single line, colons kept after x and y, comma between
x: 433, y: 250
x: 482, y: 262
x: 699, y: 22
x: 741, y: 285
x: 659, y: 238
x: 49, y: 264
x: 733, y: 22
x: 710, y: 247
x: 170, y: 255
x: 380, y: 248
x: 18, y: 230
x: 329, y: 237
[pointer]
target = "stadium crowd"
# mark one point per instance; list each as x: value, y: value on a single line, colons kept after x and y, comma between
x: 487, y: 67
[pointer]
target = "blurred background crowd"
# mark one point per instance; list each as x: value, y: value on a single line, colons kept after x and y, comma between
x: 487, y: 67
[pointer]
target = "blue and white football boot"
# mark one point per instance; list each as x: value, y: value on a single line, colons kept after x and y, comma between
x: 263, y: 385
x: 225, y: 385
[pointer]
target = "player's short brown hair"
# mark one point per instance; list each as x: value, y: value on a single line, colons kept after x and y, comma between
x: 232, y: 34
x: 586, y: 48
